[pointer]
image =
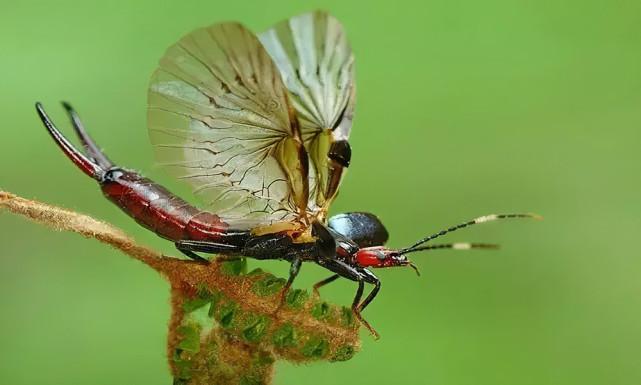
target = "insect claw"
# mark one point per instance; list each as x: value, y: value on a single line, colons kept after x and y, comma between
x: 369, y: 327
x: 282, y: 297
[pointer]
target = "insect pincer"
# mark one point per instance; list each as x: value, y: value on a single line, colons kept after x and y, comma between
x: 86, y: 165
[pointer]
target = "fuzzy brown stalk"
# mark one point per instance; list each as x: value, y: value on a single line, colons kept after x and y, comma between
x: 65, y: 220
x: 226, y: 326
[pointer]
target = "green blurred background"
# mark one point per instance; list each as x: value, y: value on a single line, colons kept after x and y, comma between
x: 464, y: 108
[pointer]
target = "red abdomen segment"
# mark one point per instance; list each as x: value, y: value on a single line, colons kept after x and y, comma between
x: 150, y: 204
x: 162, y: 212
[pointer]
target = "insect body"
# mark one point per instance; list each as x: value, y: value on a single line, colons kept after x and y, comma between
x: 259, y: 127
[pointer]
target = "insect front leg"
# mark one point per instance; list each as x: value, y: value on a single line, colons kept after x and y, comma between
x: 361, y: 276
x: 377, y: 287
x: 369, y: 277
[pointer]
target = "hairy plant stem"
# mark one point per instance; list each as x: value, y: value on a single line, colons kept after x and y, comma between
x: 226, y: 326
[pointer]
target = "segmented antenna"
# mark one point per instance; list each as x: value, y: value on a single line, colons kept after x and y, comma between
x: 455, y: 246
x: 483, y: 219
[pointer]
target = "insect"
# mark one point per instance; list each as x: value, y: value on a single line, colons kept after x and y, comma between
x: 259, y: 127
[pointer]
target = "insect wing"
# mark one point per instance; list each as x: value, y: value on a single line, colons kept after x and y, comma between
x: 317, y: 66
x: 219, y: 118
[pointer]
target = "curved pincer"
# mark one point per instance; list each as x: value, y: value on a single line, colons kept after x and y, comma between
x: 91, y: 149
x: 86, y: 165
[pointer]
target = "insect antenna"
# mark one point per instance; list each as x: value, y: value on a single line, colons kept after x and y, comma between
x: 455, y: 246
x: 92, y: 150
x: 483, y: 219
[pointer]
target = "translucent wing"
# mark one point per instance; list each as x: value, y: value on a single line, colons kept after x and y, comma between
x: 220, y: 119
x: 317, y: 66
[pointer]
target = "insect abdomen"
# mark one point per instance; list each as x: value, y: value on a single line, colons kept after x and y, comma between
x: 162, y: 212
x: 150, y: 204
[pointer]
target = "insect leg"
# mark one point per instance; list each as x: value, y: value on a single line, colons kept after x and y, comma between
x: 185, y: 250
x: 360, y: 275
x: 358, y: 296
x: 293, y: 272
x: 324, y: 282
x: 377, y: 287
x: 189, y: 248
x: 357, y: 311
x: 369, y: 277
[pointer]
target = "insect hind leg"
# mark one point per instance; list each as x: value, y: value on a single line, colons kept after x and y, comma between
x: 187, y: 252
x: 189, y: 248
x: 324, y: 282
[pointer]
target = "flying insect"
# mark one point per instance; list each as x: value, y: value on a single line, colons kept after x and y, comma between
x: 259, y: 127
